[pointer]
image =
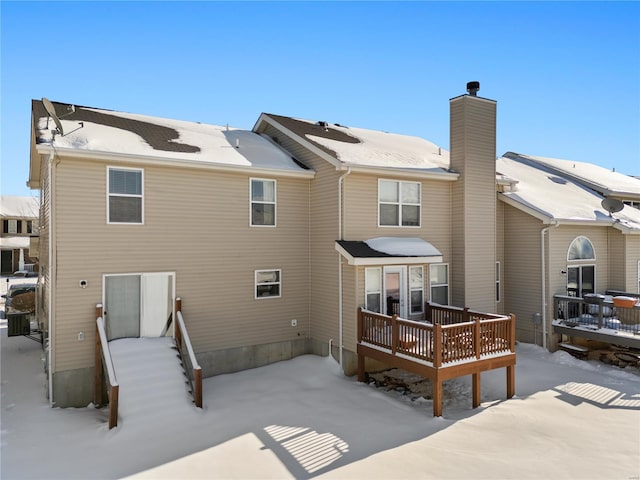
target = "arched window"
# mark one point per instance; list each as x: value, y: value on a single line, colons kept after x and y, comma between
x: 581, y: 271
x: 581, y: 249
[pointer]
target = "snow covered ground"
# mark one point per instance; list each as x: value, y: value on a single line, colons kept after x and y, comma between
x: 303, y: 419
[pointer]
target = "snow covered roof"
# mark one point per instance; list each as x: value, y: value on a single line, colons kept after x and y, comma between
x: 19, y: 207
x: 109, y: 132
x: 554, y: 198
x: 14, y: 242
x: 388, y: 251
x: 358, y: 147
x: 600, y: 179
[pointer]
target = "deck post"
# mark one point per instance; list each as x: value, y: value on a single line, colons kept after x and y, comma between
x: 511, y: 381
x: 98, y: 372
x: 360, y: 327
x: 362, y: 376
x: 437, y: 397
x: 476, y: 338
x: 437, y: 345
x: 197, y: 387
x: 177, y: 330
x: 395, y: 334
x: 465, y: 314
x: 476, y: 389
x: 513, y: 332
x: 113, y: 407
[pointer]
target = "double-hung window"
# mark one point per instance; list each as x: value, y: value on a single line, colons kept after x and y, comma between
x: 125, y: 202
x: 373, y: 289
x: 416, y: 287
x: 398, y: 203
x: 268, y: 283
x: 263, y: 202
x: 439, y: 280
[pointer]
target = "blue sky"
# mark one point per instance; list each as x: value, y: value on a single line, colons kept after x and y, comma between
x: 566, y: 75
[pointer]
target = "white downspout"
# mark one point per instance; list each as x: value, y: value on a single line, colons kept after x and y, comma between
x: 340, y: 316
x: 544, y: 283
x: 51, y: 275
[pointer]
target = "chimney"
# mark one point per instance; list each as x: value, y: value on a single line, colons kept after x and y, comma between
x: 473, y: 155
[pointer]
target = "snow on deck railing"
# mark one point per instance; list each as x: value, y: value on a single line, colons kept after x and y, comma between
x: 104, y: 362
x: 194, y: 373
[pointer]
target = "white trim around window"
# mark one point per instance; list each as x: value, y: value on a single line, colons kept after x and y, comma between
x: 125, y: 196
x: 439, y: 282
x: 416, y: 289
x: 262, y: 202
x: 399, y: 203
x: 498, y: 296
x: 267, y: 284
x: 373, y: 289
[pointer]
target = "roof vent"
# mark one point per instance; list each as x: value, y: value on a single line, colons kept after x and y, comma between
x: 324, y: 125
x: 473, y: 87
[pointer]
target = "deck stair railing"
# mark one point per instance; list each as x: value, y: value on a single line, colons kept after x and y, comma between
x: 192, y: 369
x: 104, y: 370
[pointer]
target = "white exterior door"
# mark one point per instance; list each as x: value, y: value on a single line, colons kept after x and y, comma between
x: 395, y: 291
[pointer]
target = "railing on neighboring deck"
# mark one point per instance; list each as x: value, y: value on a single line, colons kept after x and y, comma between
x: 595, y: 317
x: 453, y: 335
x: 104, y: 364
x: 189, y: 361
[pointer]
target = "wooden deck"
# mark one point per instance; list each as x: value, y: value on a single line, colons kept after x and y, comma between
x: 451, y: 343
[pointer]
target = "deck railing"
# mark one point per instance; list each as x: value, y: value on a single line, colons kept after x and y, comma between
x: 104, y: 365
x: 595, y: 314
x: 189, y: 361
x: 451, y: 339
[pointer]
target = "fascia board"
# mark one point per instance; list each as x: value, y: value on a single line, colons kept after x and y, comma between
x: 358, y: 261
x: 302, y: 141
x: 165, y: 161
x: 542, y: 216
x: 445, y: 176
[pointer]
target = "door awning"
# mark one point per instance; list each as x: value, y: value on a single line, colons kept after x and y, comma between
x: 388, y: 251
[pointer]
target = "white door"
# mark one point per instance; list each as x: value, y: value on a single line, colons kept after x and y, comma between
x: 395, y: 291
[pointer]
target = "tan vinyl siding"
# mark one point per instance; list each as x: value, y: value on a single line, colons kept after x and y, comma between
x: 473, y: 144
x: 361, y: 211
x: 324, y: 305
x: 196, y: 224
x: 44, y: 270
x: 617, y: 260
x: 632, y: 256
x: 351, y: 279
x: 500, y: 256
x: 523, y: 271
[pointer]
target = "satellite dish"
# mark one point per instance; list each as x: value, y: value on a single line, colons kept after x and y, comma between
x: 51, y: 110
x: 612, y: 205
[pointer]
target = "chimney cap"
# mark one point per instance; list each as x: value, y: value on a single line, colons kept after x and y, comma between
x: 473, y: 87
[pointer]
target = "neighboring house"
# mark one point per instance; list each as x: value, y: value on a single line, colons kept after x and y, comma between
x: 19, y: 216
x: 274, y: 237
x: 559, y: 239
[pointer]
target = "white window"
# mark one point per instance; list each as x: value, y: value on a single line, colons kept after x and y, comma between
x: 398, y: 203
x: 416, y: 287
x: 125, y: 199
x: 12, y: 226
x: 581, y: 272
x: 268, y: 283
x: 373, y: 289
x: 497, y: 281
x: 581, y: 249
x: 263, y: 202
x: 439, y: 280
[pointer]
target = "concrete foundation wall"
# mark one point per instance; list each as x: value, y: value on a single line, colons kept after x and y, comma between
x: 73, y: 388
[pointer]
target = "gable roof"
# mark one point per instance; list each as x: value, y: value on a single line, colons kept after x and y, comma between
x: 92, y: 132
x: 555, y: 199
x: 362, y: 149
x: 12, y: 206
x: 606, y: 182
